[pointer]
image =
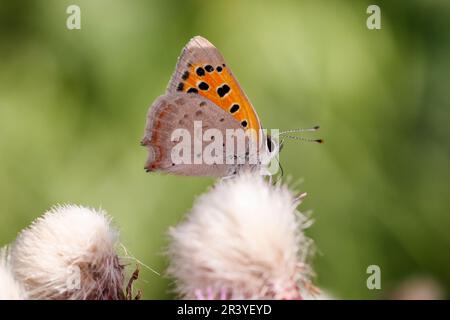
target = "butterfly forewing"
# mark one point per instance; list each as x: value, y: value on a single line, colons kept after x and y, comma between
x: 202, y: 70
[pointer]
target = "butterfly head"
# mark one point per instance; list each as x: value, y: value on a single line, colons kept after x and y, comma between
x: 273, y: 146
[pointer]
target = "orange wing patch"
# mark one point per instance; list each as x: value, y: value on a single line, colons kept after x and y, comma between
x: 218, y: 85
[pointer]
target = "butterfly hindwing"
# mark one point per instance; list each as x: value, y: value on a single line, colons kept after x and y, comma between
x: 202, y: 70
x: 179, y: 111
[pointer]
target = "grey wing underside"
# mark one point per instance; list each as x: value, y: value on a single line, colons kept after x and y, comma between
x: 180, y: 110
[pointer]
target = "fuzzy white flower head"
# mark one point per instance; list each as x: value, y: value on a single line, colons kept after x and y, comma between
x: 10, y: 288
x: 69, y: 253
x: 242, y: 239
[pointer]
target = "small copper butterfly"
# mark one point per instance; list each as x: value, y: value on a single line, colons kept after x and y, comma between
x: 203, y: 90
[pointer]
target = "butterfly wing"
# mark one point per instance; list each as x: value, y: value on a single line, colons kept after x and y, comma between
x: 179, y: 111
x: 201, y: 69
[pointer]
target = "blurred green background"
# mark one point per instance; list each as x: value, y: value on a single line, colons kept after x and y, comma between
x: 73, y: 106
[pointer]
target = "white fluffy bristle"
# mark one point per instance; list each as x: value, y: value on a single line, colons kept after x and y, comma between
x: 242, y: 239
x: 10, y: 288
x: 69, y: 253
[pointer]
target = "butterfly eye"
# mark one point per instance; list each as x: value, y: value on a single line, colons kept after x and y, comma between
x: 272, y: 145
x: 269, y: 144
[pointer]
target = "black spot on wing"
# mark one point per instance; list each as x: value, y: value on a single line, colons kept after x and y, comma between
x: 234, y: 108
x: 200, y: 71
x: 223, y: 90
x: 203, y: 86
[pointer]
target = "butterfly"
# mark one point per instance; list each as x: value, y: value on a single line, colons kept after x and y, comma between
x: 204, y: 95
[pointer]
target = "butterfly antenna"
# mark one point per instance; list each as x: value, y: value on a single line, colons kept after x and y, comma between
x: 304, y: 139
x: 289, y: 134
x: 315, y: 128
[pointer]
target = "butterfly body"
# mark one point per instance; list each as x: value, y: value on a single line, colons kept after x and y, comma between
x: 202, y: 95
